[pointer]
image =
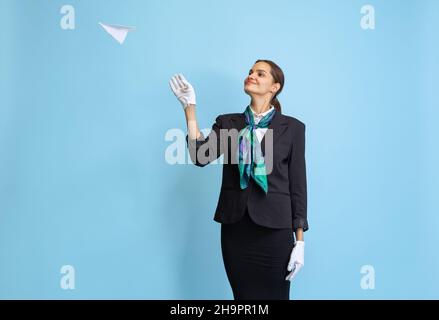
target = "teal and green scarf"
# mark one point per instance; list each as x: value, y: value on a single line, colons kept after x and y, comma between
x: 251, y: 162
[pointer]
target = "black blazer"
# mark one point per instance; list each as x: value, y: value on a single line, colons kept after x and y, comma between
x: 285, y: 204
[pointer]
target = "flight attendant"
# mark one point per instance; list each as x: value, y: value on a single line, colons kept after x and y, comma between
x: 262, y: 205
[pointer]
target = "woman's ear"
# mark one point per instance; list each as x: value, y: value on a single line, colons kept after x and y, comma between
x: 275, y: 88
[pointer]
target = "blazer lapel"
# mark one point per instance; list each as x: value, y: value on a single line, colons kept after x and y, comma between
x: 238, y: 121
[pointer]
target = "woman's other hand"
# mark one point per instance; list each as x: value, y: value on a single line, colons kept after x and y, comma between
x: 297, y: 259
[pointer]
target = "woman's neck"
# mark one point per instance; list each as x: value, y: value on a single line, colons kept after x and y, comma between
x: 260, y: 105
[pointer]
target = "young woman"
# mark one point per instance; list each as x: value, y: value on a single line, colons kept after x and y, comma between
x: 263, y: 198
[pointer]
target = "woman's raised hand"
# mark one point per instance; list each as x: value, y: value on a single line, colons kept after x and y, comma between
x: 183, y: 90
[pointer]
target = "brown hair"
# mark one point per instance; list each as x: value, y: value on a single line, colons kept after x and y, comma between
x: 278, y: 76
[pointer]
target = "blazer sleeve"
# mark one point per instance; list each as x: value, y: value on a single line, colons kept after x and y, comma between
x: 297, y: 178
x: 211, y: 146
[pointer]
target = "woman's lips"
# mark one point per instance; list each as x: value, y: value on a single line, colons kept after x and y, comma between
x: 250, y: 82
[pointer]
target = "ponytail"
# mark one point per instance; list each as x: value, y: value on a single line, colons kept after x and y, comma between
x: 275, y: 102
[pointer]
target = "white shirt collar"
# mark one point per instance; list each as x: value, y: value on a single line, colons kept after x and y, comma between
x: 263, y: 113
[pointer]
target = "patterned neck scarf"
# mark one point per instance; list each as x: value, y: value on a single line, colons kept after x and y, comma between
x: 251, y: 162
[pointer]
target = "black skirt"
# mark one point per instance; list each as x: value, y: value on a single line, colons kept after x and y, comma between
x: 256, y: 259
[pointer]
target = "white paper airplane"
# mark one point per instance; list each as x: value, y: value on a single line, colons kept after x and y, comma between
x: 117, y: 32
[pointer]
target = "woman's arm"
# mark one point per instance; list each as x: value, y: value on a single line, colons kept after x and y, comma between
x: 298, y: 185
x: 299, y: 234
x: 202, y: 150
x: 191, y: 122
x: 185, y: 93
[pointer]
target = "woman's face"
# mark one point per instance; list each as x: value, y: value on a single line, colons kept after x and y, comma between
x: 260, y: 81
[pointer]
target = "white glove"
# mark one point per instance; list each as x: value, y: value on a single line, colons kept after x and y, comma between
x: 183, y: 90
x: 297, y: 259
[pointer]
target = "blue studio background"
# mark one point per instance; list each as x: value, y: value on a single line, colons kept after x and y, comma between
x: 83, y: 120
